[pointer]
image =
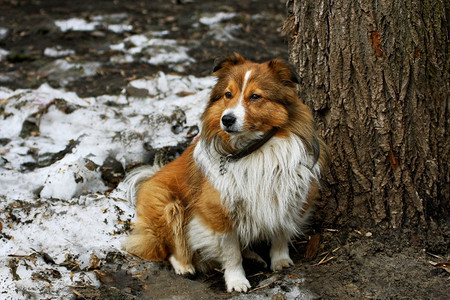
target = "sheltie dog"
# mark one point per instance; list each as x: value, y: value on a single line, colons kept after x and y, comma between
x: 251, y: 175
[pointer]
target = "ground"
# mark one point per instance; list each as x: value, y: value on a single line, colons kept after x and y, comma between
x: 104, y: 58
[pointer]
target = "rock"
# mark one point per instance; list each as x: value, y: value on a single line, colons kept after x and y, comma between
x: 4, y: 141
x: 178, y: 119
x: 279, y: 296
x: 29, y: 128
x: 132, y: 91
x: 112, y: 172
x: 192, y: 132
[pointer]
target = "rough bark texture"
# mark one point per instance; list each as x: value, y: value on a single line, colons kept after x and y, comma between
x: 376, y: 74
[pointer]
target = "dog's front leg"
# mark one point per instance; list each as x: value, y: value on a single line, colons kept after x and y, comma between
x: 279, y: 253
x: 232, y: 263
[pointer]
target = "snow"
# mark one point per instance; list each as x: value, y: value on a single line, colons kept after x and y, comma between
x: 114, y: 22
x: 218, y: 30
x: 64, y: 72
x: 3, y: 33
x: 118, y: 28
x: 58, y: 51
x: 61, y: 209
x: 76, y: 24
x: 3, y: 53
x: 213, y: 19
x: 291, y: 290
x: 152, y: 50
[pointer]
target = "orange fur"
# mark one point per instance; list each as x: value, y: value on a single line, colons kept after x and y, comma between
x: 167, y: 201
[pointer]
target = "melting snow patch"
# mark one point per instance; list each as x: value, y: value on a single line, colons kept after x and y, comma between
x: 3, y: 33
x: 3, y: 53
x: 114, y: 22
x: 153, y: 51
x: 118, y: 28
x: 214, y: 19
x: 219, y: 30
x: 159, y: 33
x: 285, y: 288
x: 64, y: 72
x: 76, y: 24
x: 50, y: 177
x: 58, y: 51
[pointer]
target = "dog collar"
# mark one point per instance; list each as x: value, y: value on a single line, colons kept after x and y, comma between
x: 247, y: 150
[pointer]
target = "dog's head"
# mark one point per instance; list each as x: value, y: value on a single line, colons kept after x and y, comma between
x: 251, y: 98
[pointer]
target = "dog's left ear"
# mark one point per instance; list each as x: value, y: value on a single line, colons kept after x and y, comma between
x: 228, y: 61
x: 284, y: 71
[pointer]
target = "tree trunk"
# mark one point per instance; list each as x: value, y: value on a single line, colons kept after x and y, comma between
x: 376, y: 74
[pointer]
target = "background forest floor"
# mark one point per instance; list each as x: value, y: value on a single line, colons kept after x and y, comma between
x: 330, y: 263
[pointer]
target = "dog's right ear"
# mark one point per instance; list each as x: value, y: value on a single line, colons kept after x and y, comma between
x: 228, y: 62
x: 284, y: 71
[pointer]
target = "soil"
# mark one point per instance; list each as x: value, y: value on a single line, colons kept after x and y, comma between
x: 330, y: 263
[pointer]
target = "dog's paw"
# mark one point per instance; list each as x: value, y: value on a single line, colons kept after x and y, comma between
x: 181, y: 269
x: 185, y: 270
x: 237, y: 283
x: 280, y: 263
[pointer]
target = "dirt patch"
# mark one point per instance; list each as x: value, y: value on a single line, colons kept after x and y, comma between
x: 375, y: 265
x: 340, y: 263
x: 253, y: 32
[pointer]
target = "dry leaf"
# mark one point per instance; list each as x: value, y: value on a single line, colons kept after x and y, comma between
x: 312, y: 247
x: 104, y: 276
x: 94, y: 263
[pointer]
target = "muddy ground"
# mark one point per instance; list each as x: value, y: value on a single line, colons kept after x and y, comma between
x: 330, y: 263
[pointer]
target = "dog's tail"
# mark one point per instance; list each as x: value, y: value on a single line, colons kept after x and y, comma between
x: 146, y: 243
x: 136, y: 177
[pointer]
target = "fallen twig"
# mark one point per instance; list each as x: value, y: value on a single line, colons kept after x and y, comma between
x: 324, y: 260
x: 254, y: 275
x: 78, y: 294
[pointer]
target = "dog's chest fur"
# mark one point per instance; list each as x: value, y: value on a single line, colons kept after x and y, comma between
x: 266, y: 191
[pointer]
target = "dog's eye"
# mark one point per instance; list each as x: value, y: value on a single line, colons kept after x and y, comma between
x: 255, y: 97
x: 228, y: 95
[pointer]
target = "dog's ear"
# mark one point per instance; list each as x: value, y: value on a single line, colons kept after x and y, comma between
x: 284, y: 72
x: 228, y: 61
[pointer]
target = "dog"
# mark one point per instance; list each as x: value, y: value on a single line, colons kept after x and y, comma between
x: 251, y: 175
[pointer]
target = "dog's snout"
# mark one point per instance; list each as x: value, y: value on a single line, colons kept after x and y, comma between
x: 228, y: 120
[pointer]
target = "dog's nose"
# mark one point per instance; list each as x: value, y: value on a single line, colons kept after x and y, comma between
x: 228, y: 120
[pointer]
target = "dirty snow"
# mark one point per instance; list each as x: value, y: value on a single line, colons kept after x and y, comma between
x: 64, y: 72
x: 62, y: 208
x: 214, y: 19
x: 152, y: 50
x: 112, y: 23
x: 76, y: 24
x: 58, y: 51
x: 3, y: 53
x: 3, y: 33
x: 219, y: 28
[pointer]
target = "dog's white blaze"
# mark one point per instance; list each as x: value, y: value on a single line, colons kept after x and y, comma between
x: 264, y: 192
x: 244, y: 85
x: 239, y: 110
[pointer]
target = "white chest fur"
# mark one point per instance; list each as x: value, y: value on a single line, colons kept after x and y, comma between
x: 265, y: 192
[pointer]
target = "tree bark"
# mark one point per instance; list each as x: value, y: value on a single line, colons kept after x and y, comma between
x: 376, y: 74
